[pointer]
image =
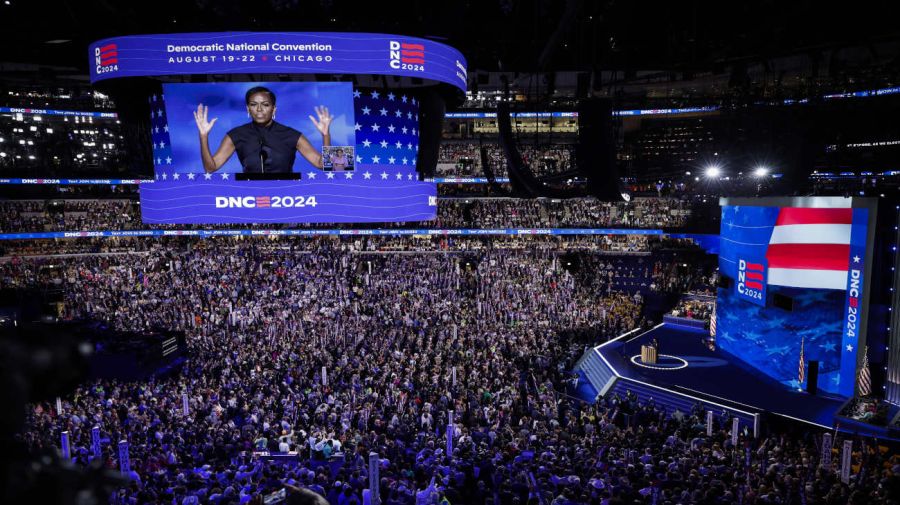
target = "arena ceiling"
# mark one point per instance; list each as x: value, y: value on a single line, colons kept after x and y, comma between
x: 506, y: 35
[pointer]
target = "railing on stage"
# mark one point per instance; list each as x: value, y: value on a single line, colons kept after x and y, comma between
x: 606, y: 379
x: 686, y: 322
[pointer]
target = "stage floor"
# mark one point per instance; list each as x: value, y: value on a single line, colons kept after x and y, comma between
x: 686, y: 365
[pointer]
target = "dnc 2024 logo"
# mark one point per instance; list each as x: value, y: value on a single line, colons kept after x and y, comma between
x: 406, y: 56
x: 106, y: 58
x: 751, y: 281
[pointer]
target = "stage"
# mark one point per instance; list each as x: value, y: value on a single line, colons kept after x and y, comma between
x: 687, y: 366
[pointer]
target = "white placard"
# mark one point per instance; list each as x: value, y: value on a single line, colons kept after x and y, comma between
x: 374, y: 477
x: 846, y: 461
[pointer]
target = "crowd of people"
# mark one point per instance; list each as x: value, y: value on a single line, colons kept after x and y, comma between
x: 694, y: 308
x: 329, y: 350
x: 124, y: 214
x: 464, y: 159
x: 569, y: 213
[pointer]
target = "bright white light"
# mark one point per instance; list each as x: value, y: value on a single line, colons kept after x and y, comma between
x: 761, y: 171
x: 713, y: 171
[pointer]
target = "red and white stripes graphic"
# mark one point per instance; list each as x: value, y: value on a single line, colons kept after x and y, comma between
x: 412, y: 53
x: 109, y: 55
x: 810, y: 248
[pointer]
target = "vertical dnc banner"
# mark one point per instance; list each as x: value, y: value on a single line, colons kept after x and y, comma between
x: 751, y: 280
x: 853, y: 306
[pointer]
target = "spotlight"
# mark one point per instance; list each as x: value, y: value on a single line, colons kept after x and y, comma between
x: 713, y: 171
x: 761, y: 172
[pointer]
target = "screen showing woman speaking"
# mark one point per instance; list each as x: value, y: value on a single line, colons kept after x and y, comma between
x: 283, y: 152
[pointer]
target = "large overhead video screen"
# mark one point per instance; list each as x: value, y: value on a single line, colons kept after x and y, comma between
x: 284, y: 152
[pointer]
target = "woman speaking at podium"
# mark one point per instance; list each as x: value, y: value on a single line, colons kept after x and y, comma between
x: 263, y: 145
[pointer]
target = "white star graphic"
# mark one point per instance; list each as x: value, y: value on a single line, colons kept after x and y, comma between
x: 409, y: 115
x: 159, y: 161
x: 190, y: 176
x: 358, y: 158
x: 413, y: 131
x: 399, y: 176
x: 356, y: 93
x: 391, y: 128
x: 404, y: 129
x: 399, y: 145
x: 348, y: 175
x: 391, y: 96
x: 417, y: 147
x: 207, y: 176
x: 162, y: 144
x: 156, y: 129
x: 384, y: 144
x: 157, y: 176
x: 849, y: 347
x: 224, y: 176
x: 409, y: 146
x: 398, y: 113
x: 330, y: 175
x: 176, y: 176
x: 357, y: 127
x: 375, y: 159
x: 367, y: 143
x: 384, y: 175
x: 403, y: 98
x: 159, y: 112
x: 404, y: 160
x: 412, y: 161
x: 165, y: 176
x: 375, y: 94
x: 154, y: 145
x: 391, y: 160
x: 375, y: 127
x: 366, y: 110
x: 367, y: 175
x: 409, y: 176
x: 856, y: 259
x: 311, y: 175
x: 383, y: 111
x: 413, y: 101
x: 168, y: 160
x: 166, y: 128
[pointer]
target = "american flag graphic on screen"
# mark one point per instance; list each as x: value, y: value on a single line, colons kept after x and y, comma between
x: 810, y: 248
x: 159, y: 132
x: 387, y: 128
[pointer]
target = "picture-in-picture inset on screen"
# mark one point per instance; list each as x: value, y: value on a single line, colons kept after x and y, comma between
x: 338, y: 158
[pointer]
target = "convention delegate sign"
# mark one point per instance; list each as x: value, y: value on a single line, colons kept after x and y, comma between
x: 276, y: 53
